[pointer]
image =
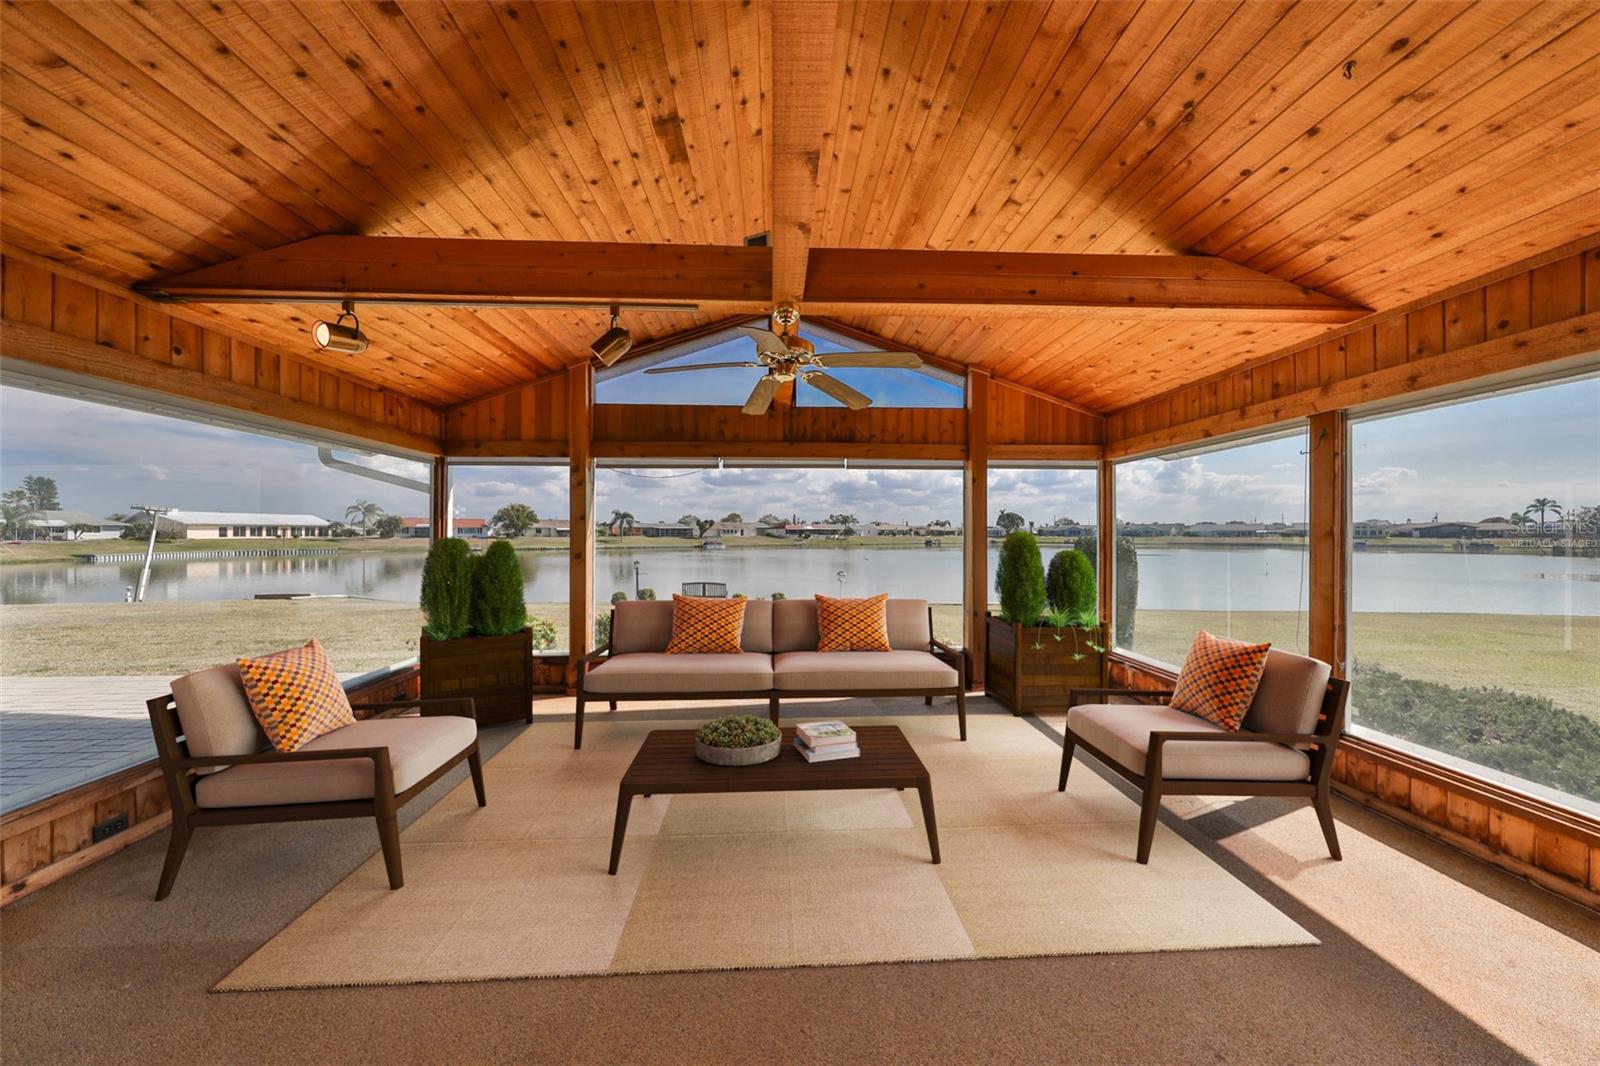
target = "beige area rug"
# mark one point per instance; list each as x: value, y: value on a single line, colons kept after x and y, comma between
x: 520, y: 889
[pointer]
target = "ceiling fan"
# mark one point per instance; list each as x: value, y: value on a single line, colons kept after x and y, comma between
x: 787, y: 357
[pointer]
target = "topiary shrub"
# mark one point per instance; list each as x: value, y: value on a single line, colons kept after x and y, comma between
x: 619, y: 597
x: 447, y: 589
x: 738, y: 731
x: 647, y: 594
x: 1125, y: 592
x: 1069, y: 586
x: 543, y: 632
x: 497, y: 605
x: 780, y: 596
x: 1019, y: 579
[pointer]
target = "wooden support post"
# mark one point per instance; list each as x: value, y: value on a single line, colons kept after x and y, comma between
x: 1328, y: 539
x: 439, y: 499
x: 1106, y: 549
x: 580, y: 452
x: 975, y: 521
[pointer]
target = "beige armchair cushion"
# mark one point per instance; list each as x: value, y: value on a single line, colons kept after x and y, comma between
x: 1122, y: 733
x: 859, y: 671
x: 659, y: 674
x: 646, y: 626
x: 794, y: 625
x: 1290, y: 694
x: 215, y: 714
x: 417, y: 747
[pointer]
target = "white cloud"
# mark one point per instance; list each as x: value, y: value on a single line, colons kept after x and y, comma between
x: 157, y: 473
x: 1383, y: 480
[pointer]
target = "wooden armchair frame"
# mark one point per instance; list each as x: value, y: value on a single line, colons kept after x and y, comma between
x: 1320, y: 745
x: 178, y: 768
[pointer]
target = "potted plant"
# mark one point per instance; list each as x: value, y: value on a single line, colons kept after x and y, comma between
x: 738, y: 740
x: 1047, y: 639
x: 476, y: 640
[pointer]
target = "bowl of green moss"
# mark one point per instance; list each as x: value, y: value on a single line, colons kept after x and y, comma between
x: 738, y: 740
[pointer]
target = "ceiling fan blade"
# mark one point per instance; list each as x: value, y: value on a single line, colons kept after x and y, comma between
x: 902, y: 360
x: 765, y: 339
x: 839, y: 390
x: 762, y: 395
x: 698, y: 366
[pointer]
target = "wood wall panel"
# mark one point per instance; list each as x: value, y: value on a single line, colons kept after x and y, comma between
x: 66, y: 323
x: 1541, y: 313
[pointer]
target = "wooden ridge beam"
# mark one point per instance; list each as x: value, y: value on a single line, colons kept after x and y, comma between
x: 800, y: 117
x: 922, y: 282
x: 459, y: 270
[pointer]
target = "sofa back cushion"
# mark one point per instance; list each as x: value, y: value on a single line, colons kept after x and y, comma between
x: 646, y: 625
x: 1290, y: 694
x: 214, y: 714
x: 794, y: 625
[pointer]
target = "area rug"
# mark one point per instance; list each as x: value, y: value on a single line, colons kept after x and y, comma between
x: 519, y: 888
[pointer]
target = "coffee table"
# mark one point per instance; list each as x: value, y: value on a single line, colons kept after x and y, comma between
x: 666, y: 764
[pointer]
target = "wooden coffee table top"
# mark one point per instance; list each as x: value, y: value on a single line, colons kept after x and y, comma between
x: 666, y: 764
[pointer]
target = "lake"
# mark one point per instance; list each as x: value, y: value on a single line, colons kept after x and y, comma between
x: 1257, y: 579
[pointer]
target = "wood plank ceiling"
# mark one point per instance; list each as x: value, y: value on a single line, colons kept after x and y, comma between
x: 1374, y: 151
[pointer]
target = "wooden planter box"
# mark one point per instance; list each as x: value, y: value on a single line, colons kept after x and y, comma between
x: 1028, y: 671
x: 497, y: 672
x: 550, y: 671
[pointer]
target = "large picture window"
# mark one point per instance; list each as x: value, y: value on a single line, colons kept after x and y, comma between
x: 1475, y: 586
x: 1055, y: 502
x: 1216, y: 541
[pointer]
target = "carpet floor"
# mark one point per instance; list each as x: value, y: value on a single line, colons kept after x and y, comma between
x: 1425, y: 955
x: 763, y: 880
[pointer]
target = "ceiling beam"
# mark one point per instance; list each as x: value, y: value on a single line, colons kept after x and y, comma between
x: 923, y: 282
x: 802, y: 43
x: 461, y: 270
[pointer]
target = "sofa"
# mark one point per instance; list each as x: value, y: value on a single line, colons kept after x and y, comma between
x: 778, y: 660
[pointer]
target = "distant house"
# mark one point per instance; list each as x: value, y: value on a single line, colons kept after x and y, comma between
x: 73, y: 525
x: 736, y: 529
x: 550, y: 527
x: 1498, y: 529
x: 663, y: 529
x: 461, y: 527
x: 1439, y: 530
x: 1064, y: 529
x: 249, y: 525
x: 1373, y: 528
x: 1222, y: 529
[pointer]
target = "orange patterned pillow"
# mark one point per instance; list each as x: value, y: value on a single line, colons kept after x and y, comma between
x: 1219, y: 678
x: 853, y: 625
x: 295, y: 695
x: 704, y: 626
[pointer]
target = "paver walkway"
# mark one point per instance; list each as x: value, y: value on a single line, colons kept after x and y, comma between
x: 60, y: 732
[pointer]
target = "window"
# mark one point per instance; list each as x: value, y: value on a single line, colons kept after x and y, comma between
x: 1475, y: 586
x: 730, y: 386
x: 1056, y: 502
x: 781, y: 530
x: 1214, y: 540
x: 64, y: 610
x: 525, y: 503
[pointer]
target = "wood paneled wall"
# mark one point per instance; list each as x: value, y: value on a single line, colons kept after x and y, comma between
x: 65, y: 321
x: 1524, y: 836
x: 1542, y: 311
x: 1023, y: 420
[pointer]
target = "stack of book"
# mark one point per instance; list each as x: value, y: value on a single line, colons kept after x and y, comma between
x: 825, y: 741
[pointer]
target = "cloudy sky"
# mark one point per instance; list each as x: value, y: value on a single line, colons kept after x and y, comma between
x: 1467, y: 462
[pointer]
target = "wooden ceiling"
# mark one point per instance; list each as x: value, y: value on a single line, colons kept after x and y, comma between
x: 1376, y: 152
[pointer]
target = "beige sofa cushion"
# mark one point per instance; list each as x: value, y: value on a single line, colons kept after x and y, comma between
x: 1122, y: 731
x: 646, y: 625
x: 658, y: 674
x: 1290, y: 694
x: 794, y: 625
x: 417, y: 747
x: 215, y: 714
x: 859, y: 671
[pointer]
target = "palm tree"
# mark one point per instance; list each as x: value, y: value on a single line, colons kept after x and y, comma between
x: 1542, y: 504
x: 622, y: 521
x: 362, y: 513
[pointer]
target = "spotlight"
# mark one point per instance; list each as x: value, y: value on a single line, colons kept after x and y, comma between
x: 335, y: 336
x: 614, y: 343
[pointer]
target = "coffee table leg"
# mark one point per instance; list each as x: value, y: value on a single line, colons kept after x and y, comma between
x: 925, y: 791
x: 624, y: 801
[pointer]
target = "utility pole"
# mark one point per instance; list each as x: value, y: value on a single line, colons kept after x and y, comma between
x: 150, y: 549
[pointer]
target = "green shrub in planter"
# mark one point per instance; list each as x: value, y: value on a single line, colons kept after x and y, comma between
x: 498, y: 609
x: 447, y: 589
x: 738, y: 731
x: 1069, y: 586
x: 1019, y: 579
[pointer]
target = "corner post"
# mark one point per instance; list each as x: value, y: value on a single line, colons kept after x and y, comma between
x: 975, y: 522
x: 1105, y: 546
x: 580, y: 457
x: 1328, y: 539
x: 439, y: 499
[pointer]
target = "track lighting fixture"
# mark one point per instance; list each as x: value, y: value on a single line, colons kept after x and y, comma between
x: 615, y: 342
x: 337, y: 336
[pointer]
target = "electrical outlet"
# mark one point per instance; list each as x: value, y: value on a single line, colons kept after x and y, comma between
x: 109, y: 828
